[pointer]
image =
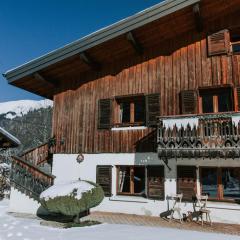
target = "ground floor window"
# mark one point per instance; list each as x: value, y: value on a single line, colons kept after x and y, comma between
x: 131, y: 180
x: 141, y: 181
x: 221, y: 183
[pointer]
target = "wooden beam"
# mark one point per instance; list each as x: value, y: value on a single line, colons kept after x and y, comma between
x: 198, y: 18
x: 89, y: 61
x: 134, y: 42
x: 40, y: 78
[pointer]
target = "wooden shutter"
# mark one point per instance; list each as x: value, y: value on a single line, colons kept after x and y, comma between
x: 104, y: 179
x: 237, y: 98
x: 152, y: 109
x: 155, y: 182
x: 219, y: 43
x: 186, y: 181
x: 188, y: 101
x: 104, y: 113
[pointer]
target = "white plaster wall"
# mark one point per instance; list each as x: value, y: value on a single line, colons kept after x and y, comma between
x: 21, y: 203
x: 66, y: 168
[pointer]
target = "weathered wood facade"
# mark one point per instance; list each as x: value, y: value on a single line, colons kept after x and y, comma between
x: 164, y: 55
x: 179, y: 63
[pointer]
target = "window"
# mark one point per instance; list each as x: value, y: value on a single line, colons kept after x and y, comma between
x: 133, y: 180
x: 209, y: 182
x: 235, y: 41
x: 131, y: 111
x: 126, y: 111
x: 231, y: 183
x: 221, y: 183
x: 216, y: 100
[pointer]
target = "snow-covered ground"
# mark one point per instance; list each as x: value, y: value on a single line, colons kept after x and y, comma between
x: 19, y: 108
x: 12, y: 228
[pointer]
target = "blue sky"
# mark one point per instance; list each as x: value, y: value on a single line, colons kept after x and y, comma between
x: 31, y: 28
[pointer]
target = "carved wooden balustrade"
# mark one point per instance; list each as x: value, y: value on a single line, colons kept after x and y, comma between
x: 208, y: 136
x: 28, y: 178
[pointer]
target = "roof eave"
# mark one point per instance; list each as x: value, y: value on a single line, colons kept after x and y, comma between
x: 151, y: 14
x: 14, y: 141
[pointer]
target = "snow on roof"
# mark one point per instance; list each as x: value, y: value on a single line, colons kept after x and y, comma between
x: 10, y: 137
x: 67, y: 189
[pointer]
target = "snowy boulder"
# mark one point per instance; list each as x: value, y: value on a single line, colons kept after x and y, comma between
x: 72, y: 198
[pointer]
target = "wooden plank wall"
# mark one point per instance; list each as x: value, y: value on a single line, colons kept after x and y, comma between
x: 179, y: 64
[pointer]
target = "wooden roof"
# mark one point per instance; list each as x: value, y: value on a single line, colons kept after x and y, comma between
x: 123, y: 40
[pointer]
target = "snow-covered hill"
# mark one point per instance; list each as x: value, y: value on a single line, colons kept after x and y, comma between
x: 20, y: 108
x: 27, y: 120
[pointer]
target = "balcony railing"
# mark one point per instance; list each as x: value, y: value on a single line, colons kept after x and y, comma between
x: 209, y: 136
x: 28, y: 178
x: 37, y: 155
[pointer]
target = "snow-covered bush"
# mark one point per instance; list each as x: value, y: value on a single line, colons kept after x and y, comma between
x: 72, y: 198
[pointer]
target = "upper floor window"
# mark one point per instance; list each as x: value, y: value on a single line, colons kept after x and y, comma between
x: 213, y: 99
x: 216, y: 100
x: 235, y: 41
x: 131, y: 110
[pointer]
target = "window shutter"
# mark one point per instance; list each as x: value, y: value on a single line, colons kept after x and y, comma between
x: 104, y: 113
x: 237, y: 98
x: 186, y: 181
x: 188, y: 101
x: 152, y: 109
x: 104, y: 179
x: 219, y: 43
x: 155, y: 182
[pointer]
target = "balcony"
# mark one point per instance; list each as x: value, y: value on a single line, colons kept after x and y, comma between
x: 199, y: 136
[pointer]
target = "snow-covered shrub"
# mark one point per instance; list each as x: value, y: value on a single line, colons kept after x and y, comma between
x: 72, y: 198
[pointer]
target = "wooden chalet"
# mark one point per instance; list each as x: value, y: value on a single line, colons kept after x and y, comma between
x: 148, y: 107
